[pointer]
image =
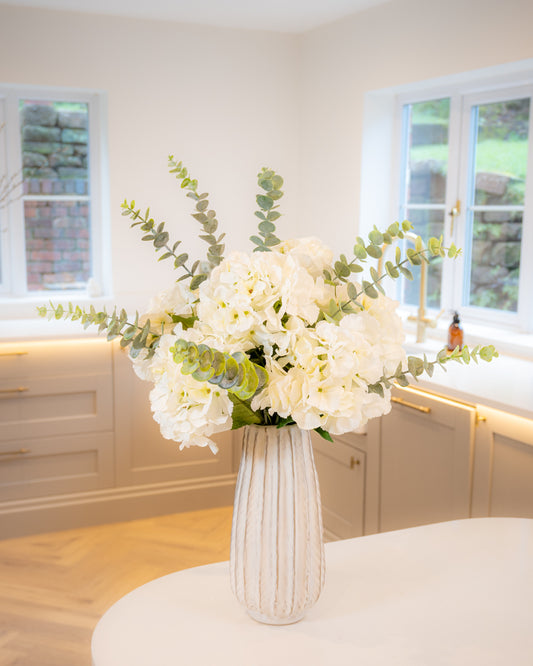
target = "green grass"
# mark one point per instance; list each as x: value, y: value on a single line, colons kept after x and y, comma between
x: 495, y: 155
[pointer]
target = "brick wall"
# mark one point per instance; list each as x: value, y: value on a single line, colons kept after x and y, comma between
x: 55, y: 154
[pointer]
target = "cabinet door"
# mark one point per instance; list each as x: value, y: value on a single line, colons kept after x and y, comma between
x: 143, y: 455
x: 426, y: 460
x: 341, y: 473
x: 503, y: 481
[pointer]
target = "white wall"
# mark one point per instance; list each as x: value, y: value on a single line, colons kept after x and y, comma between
x: 230, y: 101
x: 222, y: 100
x: 391, y: 45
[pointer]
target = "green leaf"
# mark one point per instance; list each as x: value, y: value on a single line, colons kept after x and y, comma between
x: 374, y: 251
x: 267, y: 227
x: 264, y: 202
x: 271, y: 240
x: 266, y: 184
x: 324, y: 434
x: 256, y: 240
x: 242, y: 413
x: 197, y: 281
x: 391, y: 270
x: 277, y: 181
x: 406, y: 272
x: 369, y: 289
x: 376, y: 388
x: 359, y: 252
x: 161, y: 239
x: 352, y: 291
x: 375, y: 237
x: 180, y: 260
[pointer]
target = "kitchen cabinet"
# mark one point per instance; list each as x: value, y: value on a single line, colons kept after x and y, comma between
x: 348, y: 474
x: 431, y: 459
x: 503, y: 475
x: 427, y: 455
x: 78, y: 444
x: 56, y: 419
x: 341, y: 469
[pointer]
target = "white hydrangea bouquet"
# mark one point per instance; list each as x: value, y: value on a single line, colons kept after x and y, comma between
x: 283, y: 335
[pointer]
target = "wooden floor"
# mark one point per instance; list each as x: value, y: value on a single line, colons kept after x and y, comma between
x: 55, y: 587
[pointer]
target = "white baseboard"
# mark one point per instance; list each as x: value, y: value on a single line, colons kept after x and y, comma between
x: 61, y: 512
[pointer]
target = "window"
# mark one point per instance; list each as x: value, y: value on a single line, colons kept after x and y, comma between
x: 51, y: 240
x: 464, y: 174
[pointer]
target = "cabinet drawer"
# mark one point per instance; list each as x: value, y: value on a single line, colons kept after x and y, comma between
x: 55, y: 406
x: 57, y: 358
x: 55, y: 465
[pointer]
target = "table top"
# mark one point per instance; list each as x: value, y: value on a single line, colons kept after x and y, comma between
x: 456, y: 593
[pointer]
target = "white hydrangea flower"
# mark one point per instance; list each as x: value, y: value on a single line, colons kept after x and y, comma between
x: 178, y: 300
x: 309, y: 252
x: 188, y: 411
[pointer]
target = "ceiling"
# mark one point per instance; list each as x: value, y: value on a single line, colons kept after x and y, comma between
x: 277, y: 15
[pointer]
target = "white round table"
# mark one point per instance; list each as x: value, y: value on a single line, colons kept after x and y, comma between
x: 457, y: 593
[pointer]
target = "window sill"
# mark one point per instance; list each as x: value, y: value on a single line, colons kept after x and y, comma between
x: 23, y: 330
x: 20, y: 321
x: 506, y: 341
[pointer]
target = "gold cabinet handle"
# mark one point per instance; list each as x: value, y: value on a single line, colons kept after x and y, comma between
x: 17, y: 353
x: 20, y: 452
x: 411, y: 405
x: 17, y: 389
x: 354, y: 462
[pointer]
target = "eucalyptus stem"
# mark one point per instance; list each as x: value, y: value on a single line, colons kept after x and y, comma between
x: 417, y: 366
x: 116, y: 324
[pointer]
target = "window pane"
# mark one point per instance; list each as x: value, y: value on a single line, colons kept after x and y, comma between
x: 496, y: 259
x: 428, y: 151
x: 427, y: 223
x: 54, y: 147
x: 501, y: 152
x: 57, y: 245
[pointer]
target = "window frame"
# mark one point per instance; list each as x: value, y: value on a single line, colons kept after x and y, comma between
x: 14, y: 295
x: 463, y: 97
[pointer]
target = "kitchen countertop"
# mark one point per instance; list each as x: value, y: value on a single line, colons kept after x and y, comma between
x: 505, y: 383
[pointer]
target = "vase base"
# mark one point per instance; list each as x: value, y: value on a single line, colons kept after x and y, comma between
x: 266, y: 619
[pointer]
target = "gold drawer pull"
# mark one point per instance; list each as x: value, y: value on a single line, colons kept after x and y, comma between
x: 20, y: 452
x: 354, y: 462
x: 411, y: 405
x: 19, y: 353
x: 18, y: 389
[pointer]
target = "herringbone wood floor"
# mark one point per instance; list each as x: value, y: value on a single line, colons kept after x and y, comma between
x: 54, y: 587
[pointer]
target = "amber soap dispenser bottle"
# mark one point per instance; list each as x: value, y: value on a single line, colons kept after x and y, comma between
x: 455, y: 333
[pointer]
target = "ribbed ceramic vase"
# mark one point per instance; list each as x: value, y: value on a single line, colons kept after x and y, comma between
x: 277, y: 553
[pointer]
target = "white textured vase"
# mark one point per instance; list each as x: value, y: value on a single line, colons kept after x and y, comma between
x: 277, y: 553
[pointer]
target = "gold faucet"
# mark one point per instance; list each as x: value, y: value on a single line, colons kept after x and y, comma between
x: 422, y: 321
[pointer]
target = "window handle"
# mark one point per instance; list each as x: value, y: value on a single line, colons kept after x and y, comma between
x: 455, y: 211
